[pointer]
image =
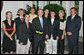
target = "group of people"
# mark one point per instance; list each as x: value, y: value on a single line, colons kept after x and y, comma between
x: 40, y: 33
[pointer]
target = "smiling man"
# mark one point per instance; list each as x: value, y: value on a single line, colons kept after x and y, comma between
x: 73, y: 25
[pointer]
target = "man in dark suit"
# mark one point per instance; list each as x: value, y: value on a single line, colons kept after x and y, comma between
x: 25, y: 35
x: 39, y: 33
x: 52, y: 33
x: 46, y: 14
x: 73, y: 25
x: 18, y: 20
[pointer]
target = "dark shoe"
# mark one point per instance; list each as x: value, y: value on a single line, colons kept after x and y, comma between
x: 47, y: 53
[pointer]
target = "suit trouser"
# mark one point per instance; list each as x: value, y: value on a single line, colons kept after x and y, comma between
x: 23, y: 49
x: 17, y: 46
x: 73, y: 45
x: 38, y: 45
x: 51, y: 46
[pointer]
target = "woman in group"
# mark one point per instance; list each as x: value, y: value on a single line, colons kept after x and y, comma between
x: 61, y: 33
x: 9, y: 28
x: 25, y: 35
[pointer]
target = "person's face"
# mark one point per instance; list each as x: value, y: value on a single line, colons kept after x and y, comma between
x: 9, y: 15
x: 46, y: 11
x: 73, y: 11
x: 52, y: 14
x: 21, y: 12
x: 40, y: 13
x: 60, y: 14
x: 27, y: 17
x: 32, y: 11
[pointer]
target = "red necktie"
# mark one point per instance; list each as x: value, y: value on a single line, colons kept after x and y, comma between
x: 22, y: 20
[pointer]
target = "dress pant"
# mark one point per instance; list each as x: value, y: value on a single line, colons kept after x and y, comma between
x: 38, y: 45
x: 23, y: 49
x: 51, y: 46
x: 73, y: 45
x: 17, y: 46
x: 31, y: 47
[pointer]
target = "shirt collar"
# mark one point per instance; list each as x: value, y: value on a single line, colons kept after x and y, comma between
x: 73, y: 15
x: 40, y: 17
x: 21, y: 17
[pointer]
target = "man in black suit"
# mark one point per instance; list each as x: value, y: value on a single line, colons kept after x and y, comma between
x: 25, y: 35
x: 46, y: 14
x: 52, y: 33
x: 18, y: 20
x: 39, y: 33
x: 73, y: 25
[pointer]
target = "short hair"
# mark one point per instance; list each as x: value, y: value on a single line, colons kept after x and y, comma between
x: 20, y: 10
x: 32, y: 8
x: 40, y: 9
x: 8, y: 12
x: 26, y: 14
x: 73, y: 8
x: 52, y: 11
x: 61, y: 11
x: 46, y: 9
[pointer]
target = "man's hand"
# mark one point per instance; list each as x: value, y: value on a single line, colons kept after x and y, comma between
x: 62, y: 37
x: 46, y: 36
x: 21, y: 43
x: 57, y: 37
x: 69, y: 33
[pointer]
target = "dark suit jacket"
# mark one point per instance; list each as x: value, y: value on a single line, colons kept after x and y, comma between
x: 25, y: 32
x: 18, y: 21
x: 54, y: 29
x: 73, y: 26
x: 37, y: 27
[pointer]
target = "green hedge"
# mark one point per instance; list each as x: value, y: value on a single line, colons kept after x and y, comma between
x: 28, y: 8
x: 56, y: 8
x: 51, y: 7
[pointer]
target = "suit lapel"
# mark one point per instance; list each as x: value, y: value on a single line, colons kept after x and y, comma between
x: 70, y: 19
x: 43, y: 22
x: 19, y: 19
x: 50, y: 21
x: 26, y: 26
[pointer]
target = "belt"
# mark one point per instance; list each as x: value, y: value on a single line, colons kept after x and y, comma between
x: 39, y: 32
x: 8, y: 29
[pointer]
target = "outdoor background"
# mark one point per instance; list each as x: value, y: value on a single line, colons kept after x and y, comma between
x: 13, y: 6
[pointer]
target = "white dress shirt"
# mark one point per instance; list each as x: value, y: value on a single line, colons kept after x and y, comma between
x: 52, y: 20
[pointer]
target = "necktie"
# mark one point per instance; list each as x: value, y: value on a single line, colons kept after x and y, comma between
x: 22, y: 20
x: 41, y: 21
x: 71, y: 18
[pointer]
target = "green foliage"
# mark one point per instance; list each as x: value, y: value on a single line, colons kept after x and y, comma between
x: 51, y: 7
x: 28, y: 8
x: 55, y: 8
x: 77, y: 5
